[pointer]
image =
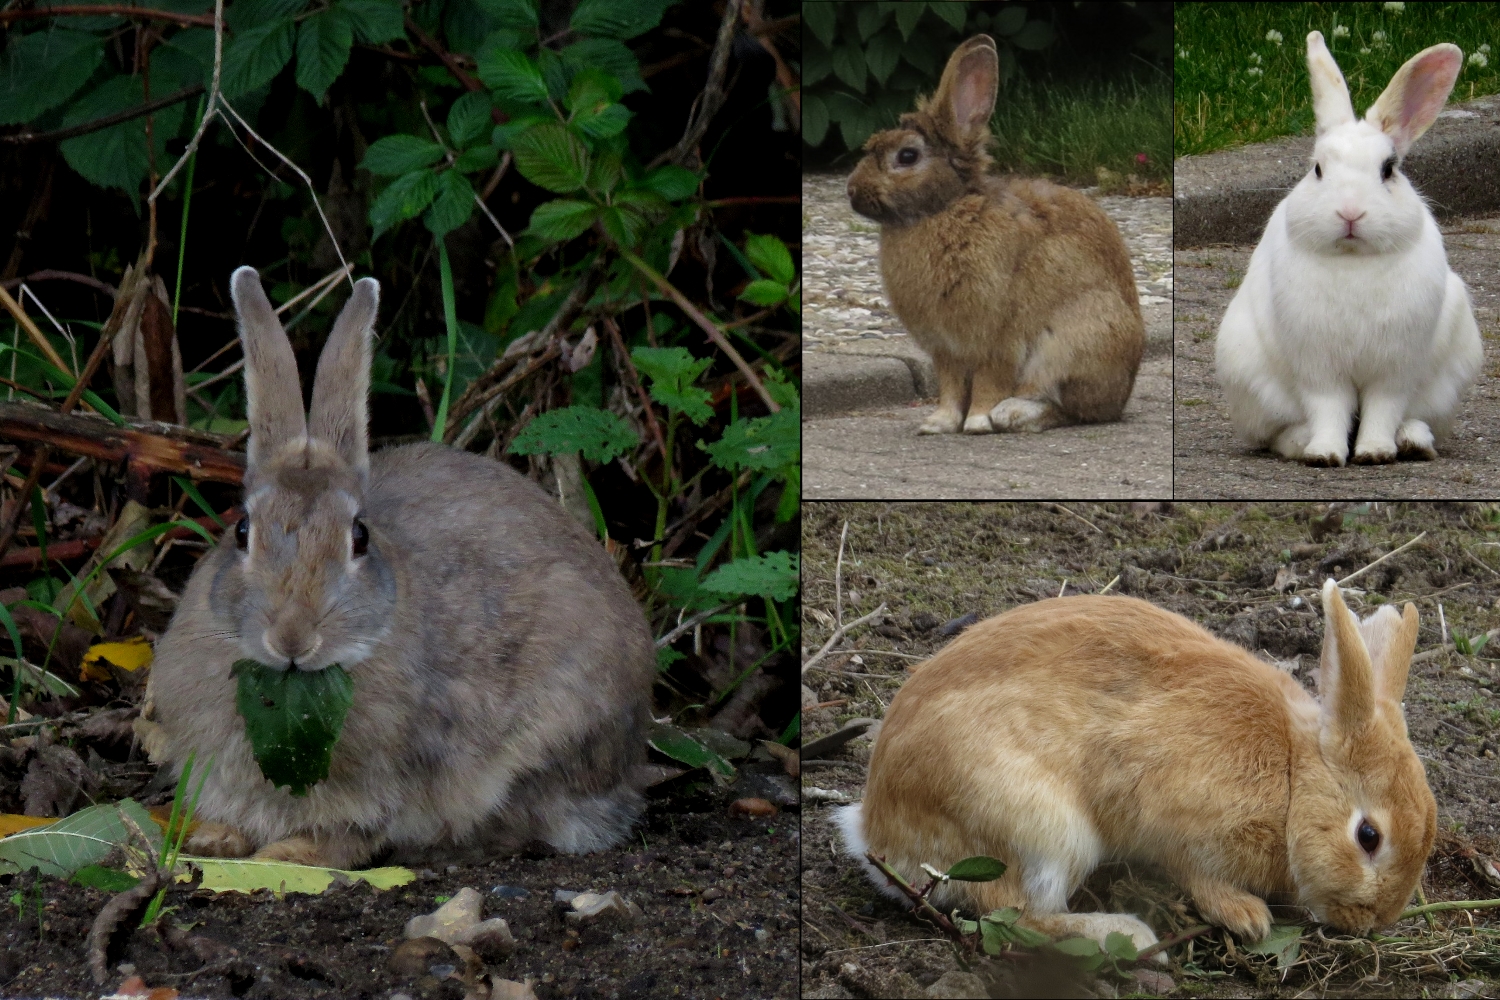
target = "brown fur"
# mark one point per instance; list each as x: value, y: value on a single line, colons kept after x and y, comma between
x: 1091, y: 728
x: 1019, y: 289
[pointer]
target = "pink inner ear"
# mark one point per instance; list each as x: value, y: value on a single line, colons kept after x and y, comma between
x: 976, y: 87
x: 1425, y: 94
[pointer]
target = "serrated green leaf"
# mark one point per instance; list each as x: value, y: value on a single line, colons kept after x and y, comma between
x: 453, y: 204
x: 765, y: 444
x: 622, y: 224
x: 618, y: 18
x: 504, y: 136
x: 375, y: 22
x: 1079, y: 947
x: 822, y: 20
x: 243, y: 15
x: 1120, y: 947
x: 599, y: 434
x: 672, y: 182
x: 673, y: 371
x: 773, y: 575
x: 550, y: 156
x: 323, y: 44
x: 650, y: 203
x: 607, y: 54
x: 395, y: 155
x: 608, y: 121
x: 40, y: 70
x: 478, y: 158
x: 406, y: 198
x: 512, y: 75
x: 293, y: 719
x: 977, y: 869
x: 764, y: 293
x: 561, y: 219
x: 469, y: 119
x: 681, y: 747
x: 116, y: 156
x: 84, y: 838
x: 592, y: 89
x: 768, y: 253
x: 256, y: 55
x: 514, y: 14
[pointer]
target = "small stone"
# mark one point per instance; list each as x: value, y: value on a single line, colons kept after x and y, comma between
x: 448, y: 921
x: 564, y: 895
x: 712, y: 893
x: 491, y: 939
x: 589, y: 907
x: 400, y: 996
x: 1153, y: 981
x: 427, y: 875
x: 762, y: 935
x: 958, y: 986
x: 126, y: 969
x: 417, y: 957
x: 451, y: 869
x: 751, y: 809
x: 509, y: 892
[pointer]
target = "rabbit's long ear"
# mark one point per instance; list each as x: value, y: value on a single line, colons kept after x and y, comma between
x: 1415, y: 95
x: 1391, y: 638
x: 341, y: 391
x: 1346, y: 679
x: 970, y: 83
x: 273, y: 392
x: 1331, y: 104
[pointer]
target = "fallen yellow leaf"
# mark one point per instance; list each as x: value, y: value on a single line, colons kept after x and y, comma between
x: 129, y: 655
x: 163, y: 816
x: 11, y: 823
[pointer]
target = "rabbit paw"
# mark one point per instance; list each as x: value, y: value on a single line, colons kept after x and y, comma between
x: 1245, y: 915
x: 1017, y: 414
x: 1414, y: 440
x: 978, y: 423
x: 219, y: 840
x: 1375, y: 456
x: 941, y: 422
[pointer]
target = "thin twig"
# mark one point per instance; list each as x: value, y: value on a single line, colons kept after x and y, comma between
x: 839, y: 634
x: 1172, y: 942
x: 49, y: 274
x: 210, y: 107
x: 1361, y: 572
x: 712, y: 99
x: 1064, y: 510
x: 449, y: 154
x: 1451, y: 904
x: 704, y: 323
x: 647, y: 412
x: 32, y: 331
x: 1110, y: 584
x: 838, y: 579
x: 692, y: 623
x: 430, y: 44
x: 91, y: 10
x: 99, y: 124
x: 920, y: 906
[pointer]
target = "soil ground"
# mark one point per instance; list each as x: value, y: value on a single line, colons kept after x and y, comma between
x: 719, y: 895
x: 1216, y: 564
x: 1211, y: 462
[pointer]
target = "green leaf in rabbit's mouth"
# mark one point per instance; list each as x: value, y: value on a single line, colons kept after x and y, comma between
x: 293, y: 718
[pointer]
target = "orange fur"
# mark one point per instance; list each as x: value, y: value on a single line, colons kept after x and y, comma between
x: 1083, y: 729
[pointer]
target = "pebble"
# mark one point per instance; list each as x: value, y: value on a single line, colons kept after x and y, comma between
x: 712, y: 893
x: 509, y: 892
x: 418, y: 956
x: 589, y: 907
x: 448, y: 921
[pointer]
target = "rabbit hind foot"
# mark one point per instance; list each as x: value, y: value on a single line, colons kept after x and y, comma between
x: 1021, y: 414
x: 1097, y: 927
x: 218, y: 840
x: 1415, y: 440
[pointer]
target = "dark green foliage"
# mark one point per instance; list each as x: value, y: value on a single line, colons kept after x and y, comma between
x: 292, y: 718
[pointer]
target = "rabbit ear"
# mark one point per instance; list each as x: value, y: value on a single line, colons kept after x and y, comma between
x: 1415, y: 95
x: 1346, y: 681
x: 970, y: 83
x: 1331, y: 104
x: 341, y: 391
x: 1391, y: 639
x: 273, y: 392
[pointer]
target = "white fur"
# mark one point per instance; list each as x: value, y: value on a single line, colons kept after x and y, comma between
x: 1326, y: 328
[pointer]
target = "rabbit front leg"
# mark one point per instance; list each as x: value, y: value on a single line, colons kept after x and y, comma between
x: 322, y: 850
x: 1329, y: 415
x: 953, y: 391
x: 1380, y: 415
x: 991, y: 385
x: 1228, y: 906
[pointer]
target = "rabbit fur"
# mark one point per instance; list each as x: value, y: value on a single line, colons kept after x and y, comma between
x: 1021, y: 291
x: 1349, y: 309
x: 501, y: 669
x: 1083, y: 729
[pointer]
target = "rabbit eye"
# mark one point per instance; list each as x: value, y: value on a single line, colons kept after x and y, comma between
x: 907, y: 156
x: 1387, y: 169
x: 1369, y: 837
x: 361, y: 537
x: 242, y: 532
x: 1318, y: 171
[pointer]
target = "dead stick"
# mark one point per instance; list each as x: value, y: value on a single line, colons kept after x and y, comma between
x: 99, y: 124
x: 90, y: 10
x: 838, y: 634
x: 42, y: 343
x: 635, y: 378
x: 1173, y: 941
x: 109, y: 919
x: 1361, y: 572
x: 921, y: 906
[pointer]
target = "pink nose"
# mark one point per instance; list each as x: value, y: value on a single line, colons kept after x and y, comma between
x: 1350, y: 215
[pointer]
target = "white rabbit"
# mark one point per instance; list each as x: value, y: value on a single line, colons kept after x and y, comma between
x: 1348, y: 307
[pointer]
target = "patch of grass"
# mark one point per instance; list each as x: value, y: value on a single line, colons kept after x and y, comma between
x: 1236, y: 83
x: 1073, y: 129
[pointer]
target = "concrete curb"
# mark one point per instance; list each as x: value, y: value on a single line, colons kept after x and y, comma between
x: 1226, y: 197
x: 869, y: 374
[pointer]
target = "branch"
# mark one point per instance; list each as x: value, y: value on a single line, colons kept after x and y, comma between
x: 692, y: 623
x: 921, y: 907
x: 1377, y: 562
x: 153, y: 446
x: 635, y: 377
x: 1171, y: 942
x: 108, y: 120
x: 210, y: 107
x: 51, y: 275
x: 1452, y: 904
x: 93, y: 10
x: 839, y: 634
x: 712, y: 98
x: 431, y: 45
x: 707, y: 325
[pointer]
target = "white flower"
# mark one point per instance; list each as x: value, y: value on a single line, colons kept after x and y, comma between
x: 1485, y: 48
x: 1364, y: 51
x: 1340, y: 31
x: 1254, y: 71
x: 1395, y: 8
x: 1182, y: 53
x: 1255, y: 58
x: 1378, y: 37
x: 1479, y: 59
x: 1273, y: 36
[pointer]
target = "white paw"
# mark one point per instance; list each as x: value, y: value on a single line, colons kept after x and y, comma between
x: 1100, y: 926
x: 1380, y: 454
x: 941, y: 422
x: 1414, y: 440
x: 1017, y: 414
x: 1322, y: 450
x: 978, y: 423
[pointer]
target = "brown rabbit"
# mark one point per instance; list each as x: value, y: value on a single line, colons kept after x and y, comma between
x: 1021, y: 290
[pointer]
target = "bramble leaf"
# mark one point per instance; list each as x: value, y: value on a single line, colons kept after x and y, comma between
x: 772, y: 575
x: 256, y: 55
x: 599, y: 434
x: 323, y: 44
x: 406, y: 198
x: 375, y: 21
x: 768, y: 253
x: 40, y: 70
x: 400, y: 154
x: 561, y: 219
x: 453, y: 205
x: 513, y: 75
x: 292, y: 719
x: 469, y: 119
x: 550, y: 156
x: 673, y: 371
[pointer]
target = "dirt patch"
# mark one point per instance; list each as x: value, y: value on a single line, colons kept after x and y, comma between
x: 1211, y: 462
x: 719, y: 896
x: 1216, y: 564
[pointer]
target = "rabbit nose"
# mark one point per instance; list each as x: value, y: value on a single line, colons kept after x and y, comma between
x: 1350, y: 215
x: 290, y: 643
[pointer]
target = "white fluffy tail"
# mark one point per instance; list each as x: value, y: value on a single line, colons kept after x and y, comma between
x: 850, y: 821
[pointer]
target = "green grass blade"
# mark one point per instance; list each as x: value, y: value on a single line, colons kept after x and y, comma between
x: 15, y: 640
x: 187, y: 487
x: 450, y: 316
x: 187, y: 201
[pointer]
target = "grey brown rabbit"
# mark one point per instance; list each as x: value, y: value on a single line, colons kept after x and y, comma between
x: 501, y: 669
x: 1020, y: 290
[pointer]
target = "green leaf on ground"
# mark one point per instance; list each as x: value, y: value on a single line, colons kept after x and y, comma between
x: 599, y: 434
x: 248, y: 875
x: 771, y: 575
x: 292, y: 718
x: 84, y: 838
x: 1284, y: 942
x: 99, y: 877
x: 678, y: 745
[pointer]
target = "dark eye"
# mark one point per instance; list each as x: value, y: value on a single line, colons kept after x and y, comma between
x: 1369, y: 837
x: 242, y: 532
x: 1318, y: 171
x: 907, y: 156
x: 361, y: 537
x: 1387, y: 169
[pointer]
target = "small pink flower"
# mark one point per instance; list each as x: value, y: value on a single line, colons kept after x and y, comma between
x: 1140, y: 157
